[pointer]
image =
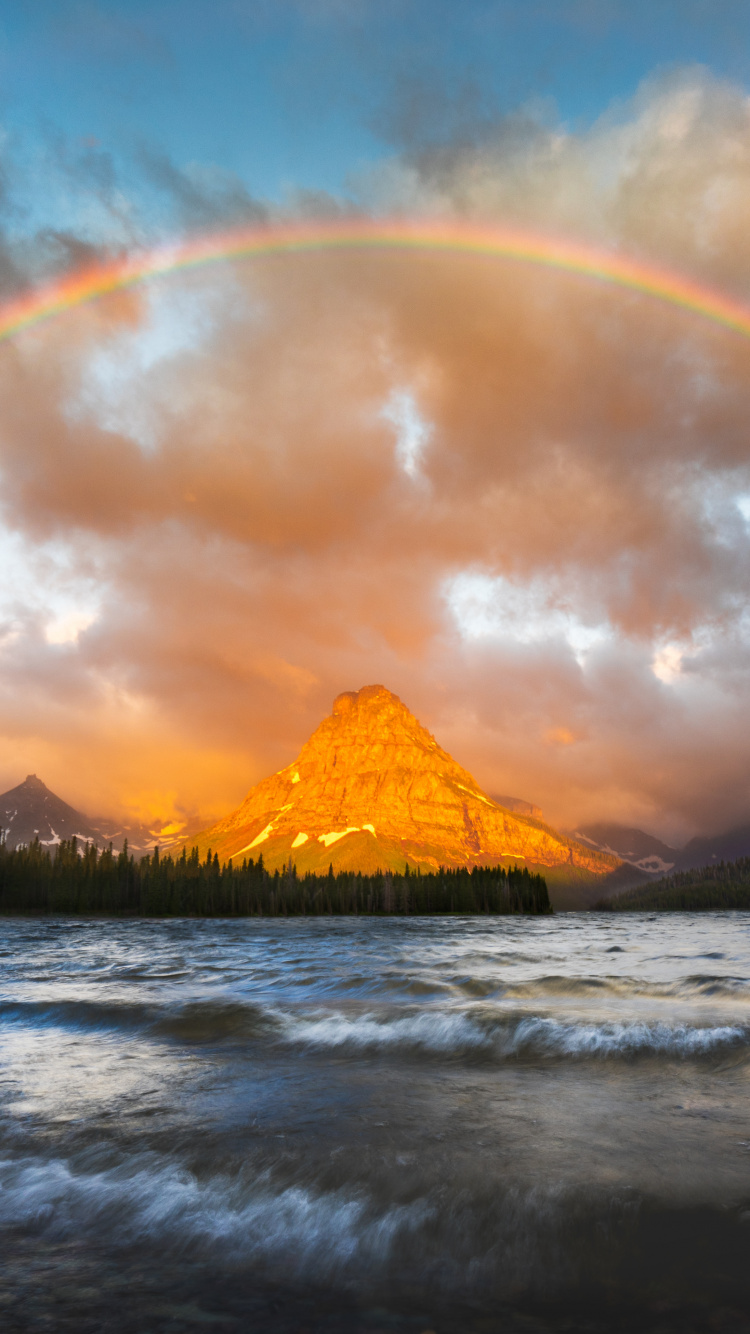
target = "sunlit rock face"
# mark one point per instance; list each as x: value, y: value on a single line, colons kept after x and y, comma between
x: 372, y: 788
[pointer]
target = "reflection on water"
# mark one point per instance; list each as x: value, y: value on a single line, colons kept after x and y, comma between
x: 364, y: 1124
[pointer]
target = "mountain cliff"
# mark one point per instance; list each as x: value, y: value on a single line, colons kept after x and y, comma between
x: 372, y: 788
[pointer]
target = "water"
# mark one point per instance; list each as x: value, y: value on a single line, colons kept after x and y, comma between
x: 360, y: 1124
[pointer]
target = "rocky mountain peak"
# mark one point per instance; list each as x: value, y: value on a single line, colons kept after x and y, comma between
x: 370, y: 697
x: 372, y: 788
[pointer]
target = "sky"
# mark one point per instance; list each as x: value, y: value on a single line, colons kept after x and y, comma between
x: 519, y: 498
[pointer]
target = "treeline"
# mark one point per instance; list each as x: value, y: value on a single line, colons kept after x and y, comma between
x: 725, y: 885
x: 83, y: 880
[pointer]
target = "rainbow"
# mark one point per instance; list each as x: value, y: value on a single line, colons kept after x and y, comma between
x: 605, y: 266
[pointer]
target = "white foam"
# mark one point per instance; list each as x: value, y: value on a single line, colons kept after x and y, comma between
x: 455, y: 1031
x: 621, y: 1039
x: 431, y: 1030
x: 323, y: 1232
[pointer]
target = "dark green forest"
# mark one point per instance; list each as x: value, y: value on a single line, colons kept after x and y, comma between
x: 724, y: 885
x: 83, y: 880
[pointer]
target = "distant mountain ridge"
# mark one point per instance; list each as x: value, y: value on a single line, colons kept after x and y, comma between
x: 647, y: 853
x: 31, y: 811
x: 655, y: 858
x: 729, y: 846
x: 721, y: 886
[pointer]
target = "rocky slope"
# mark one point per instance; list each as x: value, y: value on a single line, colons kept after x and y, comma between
x: 643, y: 850
x: 372, y: 788
x: 31, y: 810
x: 517, y: 805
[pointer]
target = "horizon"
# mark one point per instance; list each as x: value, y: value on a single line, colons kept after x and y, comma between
x: 518, y: 496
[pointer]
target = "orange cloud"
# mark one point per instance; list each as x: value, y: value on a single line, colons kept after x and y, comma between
x: 223, y: 489
x: 560, y: 736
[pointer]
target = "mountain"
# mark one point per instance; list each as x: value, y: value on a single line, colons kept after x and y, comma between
x: 373, y: 789
x: 517, y: 806
x: 649, y: 854
x: 31, y: 811
x: 727, y: 847
x: 721, y: 886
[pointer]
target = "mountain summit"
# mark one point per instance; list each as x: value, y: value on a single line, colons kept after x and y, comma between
x: 372, y: 788
x: 31, y: 810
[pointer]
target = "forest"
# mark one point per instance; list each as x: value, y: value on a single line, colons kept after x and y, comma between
x: 81, y: 879
x: 725, y: 885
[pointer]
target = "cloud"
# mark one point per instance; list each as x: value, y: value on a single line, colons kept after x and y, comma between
x: 412, y: 431
x: 494, y: 609
x: 222, y: 473
x: 204, y: 196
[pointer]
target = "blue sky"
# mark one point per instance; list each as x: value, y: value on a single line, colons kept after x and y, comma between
x: 298, y: 94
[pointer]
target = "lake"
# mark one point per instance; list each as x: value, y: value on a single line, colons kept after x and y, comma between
x: 358, y: 1124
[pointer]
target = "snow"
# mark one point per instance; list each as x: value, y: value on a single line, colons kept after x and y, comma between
x: 328, y: 839
x: 369, y: 827
x: 299, y: 840
x: 260, y: 838
x: 654, y: 865
x: 478, y: 795
x: 295, y: 777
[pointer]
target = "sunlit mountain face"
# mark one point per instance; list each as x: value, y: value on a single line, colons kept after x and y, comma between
x: 373, y: 788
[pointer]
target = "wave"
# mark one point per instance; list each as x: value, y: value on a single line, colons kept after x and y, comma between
x: 705, y: 984
x: 686, y: 988
x: 156, y: 1201
x: 477, y: 1236
x: 192, y: 1021
x: 431, y: 1030
x: 543, y: 1036
x: 480, y: 1033
x: 511, y: 1037
x: 77, y: 1014
x: 560, y: 984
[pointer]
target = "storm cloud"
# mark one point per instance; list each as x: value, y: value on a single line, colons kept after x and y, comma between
x: 518, y: 498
